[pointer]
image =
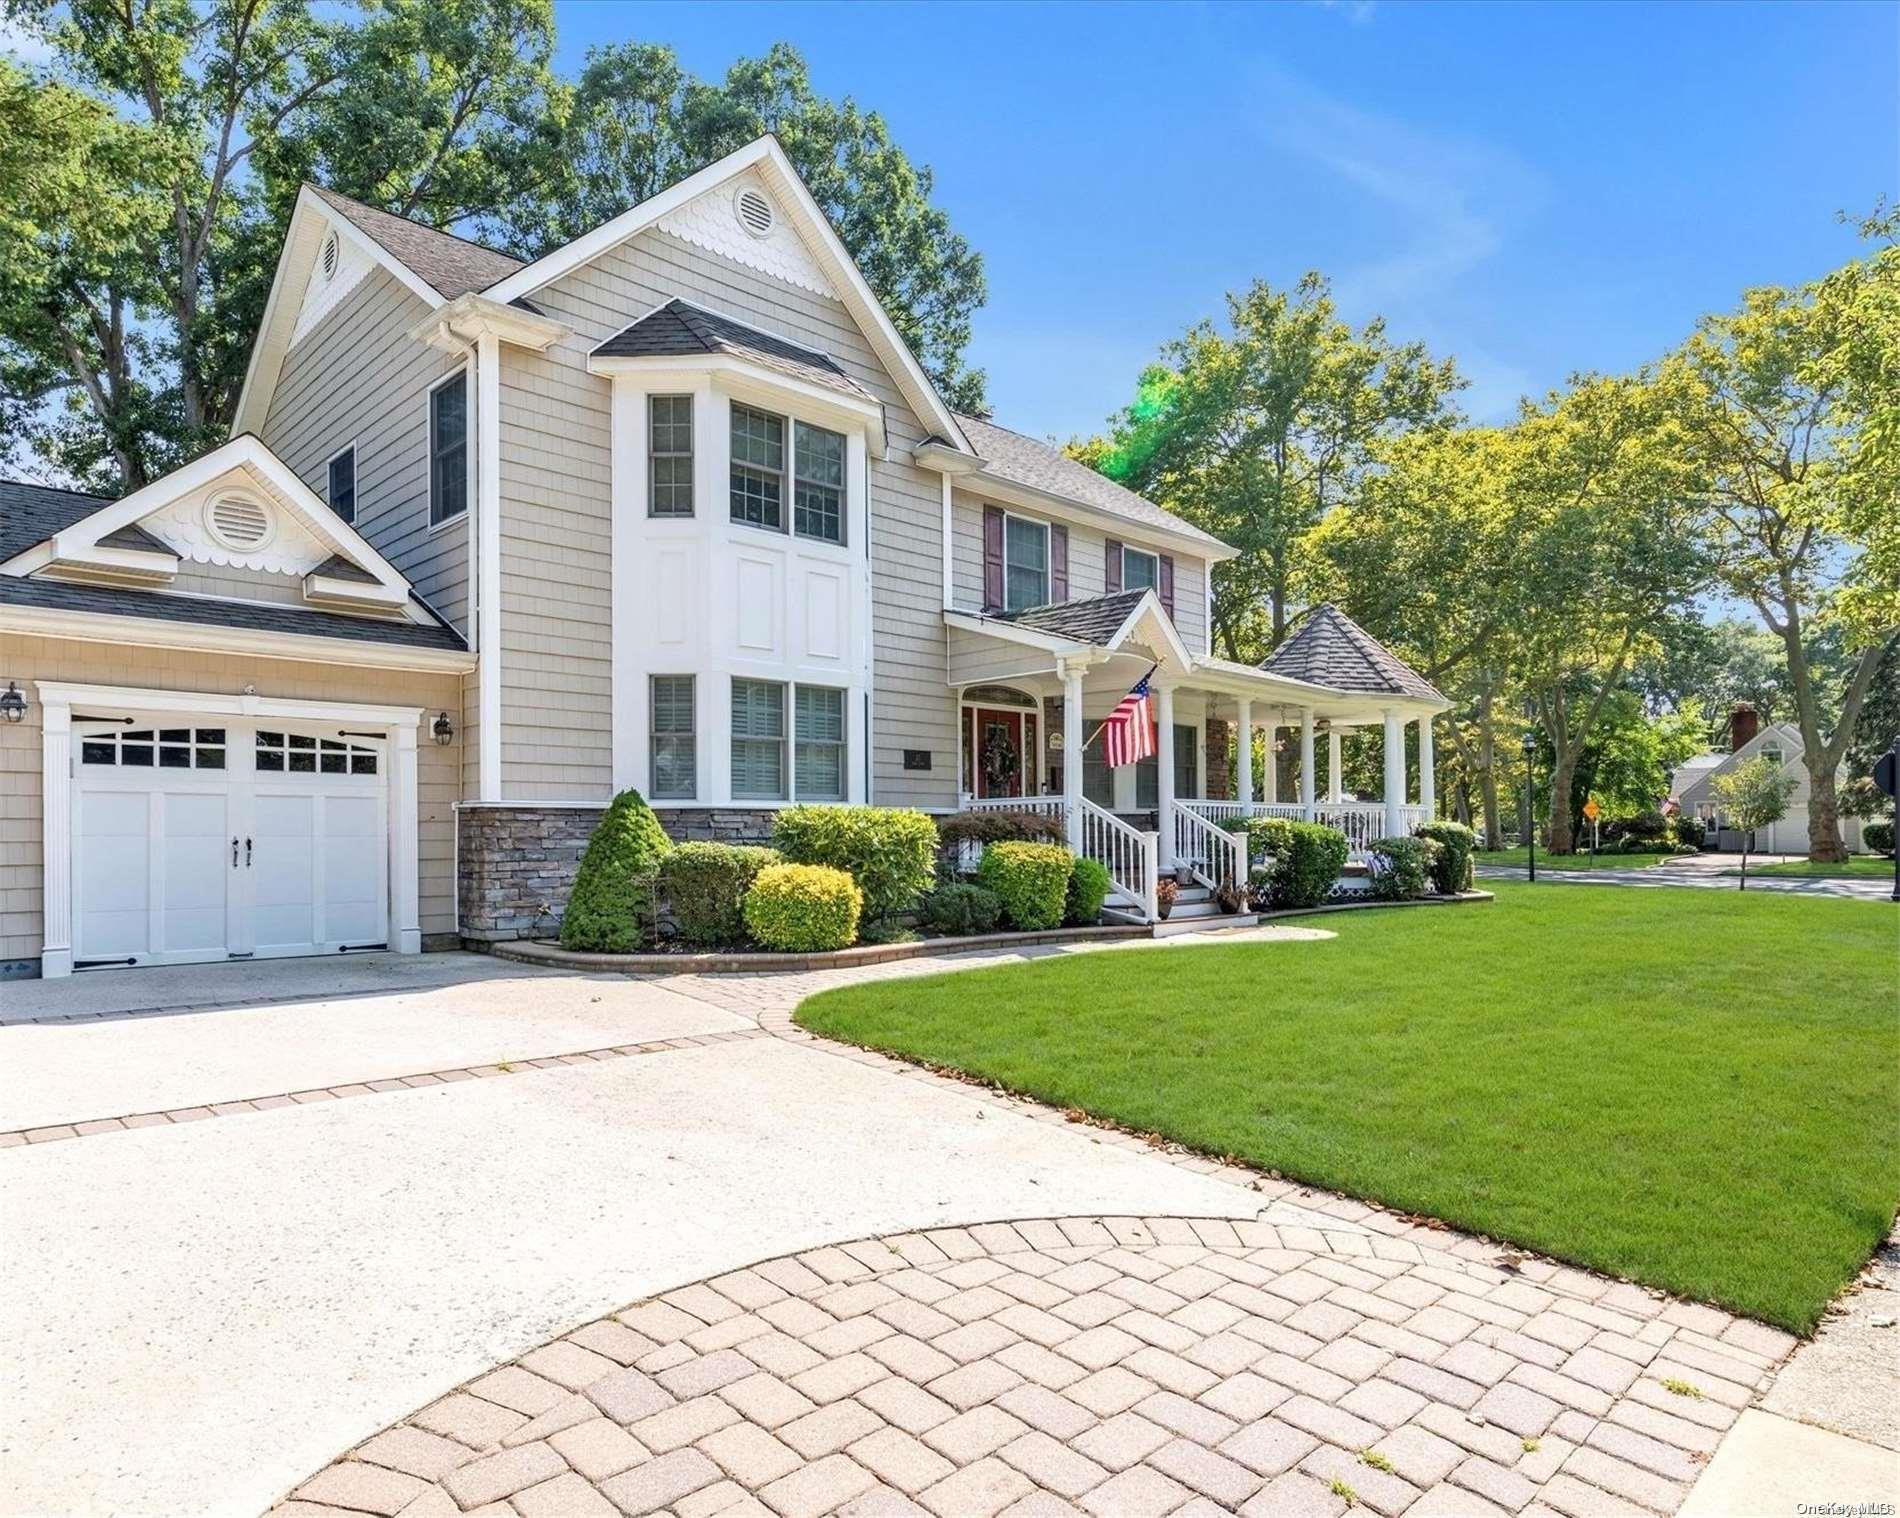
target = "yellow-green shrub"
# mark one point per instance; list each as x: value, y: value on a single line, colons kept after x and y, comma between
x: 1031, y: 879
x: 803, y: 908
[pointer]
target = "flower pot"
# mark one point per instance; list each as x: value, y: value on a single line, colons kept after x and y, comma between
x: 1183, y: 876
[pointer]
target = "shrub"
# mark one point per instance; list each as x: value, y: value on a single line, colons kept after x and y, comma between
x: 1089, y: 885
x: 1032, y: 881
x: 1690, y: 833
x: 705, y: 885
x: 1651, y: 828
x: 1877, y: 836
x: 1304, y: 858
x: 804, y: 908
x: 1401, y: 867
x: 975, y: 831
x: 961, y: 909
x: 888, y: 851
x: 611, y: 906
x: 1451, y: 869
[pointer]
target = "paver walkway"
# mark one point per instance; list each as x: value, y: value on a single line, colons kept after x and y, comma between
x: 1102, y: 1365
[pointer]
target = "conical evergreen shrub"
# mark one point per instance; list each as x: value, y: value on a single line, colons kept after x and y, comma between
x: 611, y: 907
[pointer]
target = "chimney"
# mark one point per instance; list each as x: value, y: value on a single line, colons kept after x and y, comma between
x: 1743, y: 724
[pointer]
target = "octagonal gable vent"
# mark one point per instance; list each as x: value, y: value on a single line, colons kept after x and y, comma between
x: 755, y: 211
x: 240, y: 524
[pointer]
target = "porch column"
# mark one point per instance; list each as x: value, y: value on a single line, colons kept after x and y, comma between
x: 1271, y: 795
x: 1306, y: 762
x: 1394, y: 773
x: 1072, y: 753
x: 1164, y: 772
x: 1427, y: 779
x: 1335, y: 781
x: 1243, y: 753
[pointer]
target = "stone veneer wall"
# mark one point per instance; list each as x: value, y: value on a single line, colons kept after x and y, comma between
x: 516, y: 864
x: 1220, y: 773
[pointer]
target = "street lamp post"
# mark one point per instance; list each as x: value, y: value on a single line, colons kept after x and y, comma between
x: 1530, y: 798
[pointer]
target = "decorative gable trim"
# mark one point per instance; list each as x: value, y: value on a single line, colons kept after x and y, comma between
x: 713, y: 221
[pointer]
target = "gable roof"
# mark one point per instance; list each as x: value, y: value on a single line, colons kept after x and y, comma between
x: 1333, y: 650
x: 1696, y: 774
x: 451, y: 265
x: 1021, y: 460
x: 680, y: 328
x: 1094, y: 620
x: 30, y: 514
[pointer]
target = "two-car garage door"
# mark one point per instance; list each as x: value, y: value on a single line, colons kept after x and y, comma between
x: 222, y: 839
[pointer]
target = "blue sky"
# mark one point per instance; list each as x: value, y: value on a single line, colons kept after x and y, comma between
x: 1531, y: 189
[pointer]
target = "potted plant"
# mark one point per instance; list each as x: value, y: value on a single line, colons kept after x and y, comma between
x: 1164, y: 896
x: 1230, y: 898
x: 1183, y: 874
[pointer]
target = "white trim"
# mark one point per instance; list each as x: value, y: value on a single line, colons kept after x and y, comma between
x: 949, y: 546
x: 1144, y: 553
x: 465, y: 374
x: 57, y: 700
x: 806, y: 218
x: 487, y: 458
x: 628, y: 682
x: 1048, y: 553
x: 156, y: 632
x: 676, y: 373
x: 1037, y: 712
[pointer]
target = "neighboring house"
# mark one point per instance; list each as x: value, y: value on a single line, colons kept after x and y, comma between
x: 1692, y: 789
x: 672, y: 507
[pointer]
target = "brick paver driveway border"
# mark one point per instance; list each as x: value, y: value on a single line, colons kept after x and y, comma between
x: 1097, y: 1365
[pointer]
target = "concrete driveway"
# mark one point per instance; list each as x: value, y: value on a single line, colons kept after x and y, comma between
x: 199, y: 1314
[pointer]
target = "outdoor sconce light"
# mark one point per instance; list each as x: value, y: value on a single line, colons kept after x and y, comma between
x: 442, y: 730
x: 12, y: 703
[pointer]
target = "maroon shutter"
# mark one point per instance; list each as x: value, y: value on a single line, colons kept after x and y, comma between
x: 1112, y: 567
x: 992, y: 558
x: 1167, y: 584
x: 1058, y: 562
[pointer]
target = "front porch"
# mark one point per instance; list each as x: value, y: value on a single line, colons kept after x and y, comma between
x: 1034, y: 689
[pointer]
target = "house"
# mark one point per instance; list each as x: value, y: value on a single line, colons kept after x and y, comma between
x: 1692, y: 790
x: 672, y: 507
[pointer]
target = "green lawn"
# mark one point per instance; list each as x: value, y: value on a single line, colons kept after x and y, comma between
x: 1521, y: 857
x: 1692, y: 1088
x: 1860, y: 867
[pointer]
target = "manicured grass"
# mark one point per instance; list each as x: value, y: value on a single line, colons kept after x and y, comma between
x: 1860, y: 867
x: 1691, y: 1088
x: 1519, y: 858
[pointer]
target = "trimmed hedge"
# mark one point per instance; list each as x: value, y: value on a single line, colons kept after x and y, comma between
x: 1401, y: 867
x: 610, y: 909
x: 888, y: 851
x: 1304, y: 858
x: 1032, y: 881
x: 1451, y: 869
x: 705, y: 885
x: 803, y: 908
x: 960, y: 909
x: 1877, y: 836
x: 1089, y: 885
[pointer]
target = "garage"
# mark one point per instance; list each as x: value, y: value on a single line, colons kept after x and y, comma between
x: 199, y: 827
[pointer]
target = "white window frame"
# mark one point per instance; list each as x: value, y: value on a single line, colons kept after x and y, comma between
x: 1047, y: 546
x: 788, y: 782
x: 466, y: 374
x: 329, y: 481
x: 788, y: 475
x: 654, y: 793
x: 1154, y: 582
x: 842, y: 743
x: 691, y: 455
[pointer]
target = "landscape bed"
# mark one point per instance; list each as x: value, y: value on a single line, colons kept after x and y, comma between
x: 1689, y: 1088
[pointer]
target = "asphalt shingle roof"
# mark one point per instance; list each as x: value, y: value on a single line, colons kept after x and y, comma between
x: 680, y: 328
x: 203, y: 611
x: 1333, y: 650
x: 449, y: 264
x: 30, y: 514
x: 1024, y: 461
x: 1094, y: 620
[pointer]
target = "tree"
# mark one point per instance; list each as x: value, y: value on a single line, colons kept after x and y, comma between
x: 1254, y: 432
x: 1754, y: 794
x: 1787, y: 419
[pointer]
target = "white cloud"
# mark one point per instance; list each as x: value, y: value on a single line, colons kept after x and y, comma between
x: 23, y: 45
x: 1356, y: 12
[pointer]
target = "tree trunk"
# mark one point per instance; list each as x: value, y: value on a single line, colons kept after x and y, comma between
x: 1562, y: 839
x: 1825, y: 844
x: 1488, y: 773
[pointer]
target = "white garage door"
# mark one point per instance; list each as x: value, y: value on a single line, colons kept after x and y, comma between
x: 235, y: 841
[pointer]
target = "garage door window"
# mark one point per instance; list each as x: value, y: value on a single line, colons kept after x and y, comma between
x: 300, y: 754
x: 169, y: 748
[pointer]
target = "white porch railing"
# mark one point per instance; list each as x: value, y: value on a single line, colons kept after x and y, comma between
x: 1130, y: 856
x: 1360, y: 821
x: 1044, y: 806
x: 1217, y: 857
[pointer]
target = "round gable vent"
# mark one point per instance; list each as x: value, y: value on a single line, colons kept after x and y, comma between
x: 755, y: 211
x: 240, y: 524
x: 331, y: 253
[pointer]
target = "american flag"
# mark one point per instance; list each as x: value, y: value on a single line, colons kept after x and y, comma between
x: 1129, y: 733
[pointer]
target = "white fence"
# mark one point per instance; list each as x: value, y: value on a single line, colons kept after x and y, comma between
x: 1360, y: 821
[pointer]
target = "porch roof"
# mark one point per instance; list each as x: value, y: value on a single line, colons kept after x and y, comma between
x: 1333, y: 650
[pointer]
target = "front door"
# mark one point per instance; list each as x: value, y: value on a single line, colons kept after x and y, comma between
x: 998, y: 763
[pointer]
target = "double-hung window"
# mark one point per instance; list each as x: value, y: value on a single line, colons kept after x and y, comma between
x: 675, y: 754
x: 1098, y: 779
x: 1140, y: 571
x: 343, y: 484
x: 448, y: 449
x: 817, y: 483
x: 670, y: 456
x: 758, y: 740
x: 820, y: 738
x: 1025, y: 563
x: 758, y: 468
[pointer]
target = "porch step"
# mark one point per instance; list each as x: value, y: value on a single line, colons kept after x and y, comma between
x: 1174, y: 926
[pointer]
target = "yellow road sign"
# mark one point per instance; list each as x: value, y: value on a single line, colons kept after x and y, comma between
x: 1591, y: 810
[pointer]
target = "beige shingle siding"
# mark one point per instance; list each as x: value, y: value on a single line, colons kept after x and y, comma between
x: 556, y: 503
x: 1088, y: 554
x: 29, y: 659
x: 237, y: 584
x: 359, y: 377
